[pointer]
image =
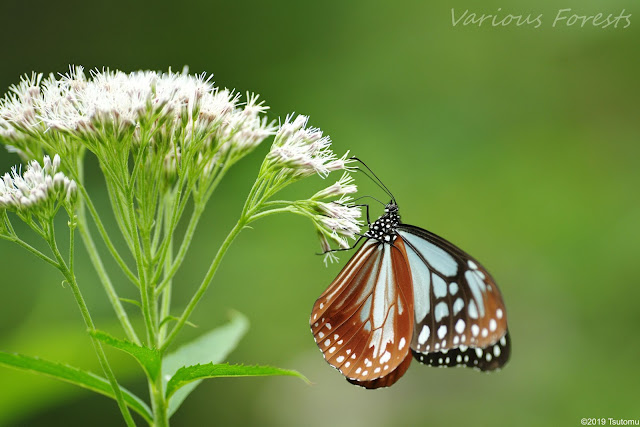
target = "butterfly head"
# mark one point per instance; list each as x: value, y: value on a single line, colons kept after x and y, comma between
x: 383, y: 229
x: 391, y: 208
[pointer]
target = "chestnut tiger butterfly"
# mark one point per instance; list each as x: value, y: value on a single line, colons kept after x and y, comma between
x: 408, y: 293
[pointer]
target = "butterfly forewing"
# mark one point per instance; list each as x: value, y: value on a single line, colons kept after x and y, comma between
x: 457, y: 304
x: 363, y: 322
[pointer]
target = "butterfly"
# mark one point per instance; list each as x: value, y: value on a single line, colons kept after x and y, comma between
x: 408, y: 293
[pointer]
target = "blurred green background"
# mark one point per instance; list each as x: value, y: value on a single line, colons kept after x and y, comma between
x: 521, y: 145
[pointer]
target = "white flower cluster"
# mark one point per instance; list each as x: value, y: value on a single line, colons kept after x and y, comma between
x: 175, y: 107
x: 299, y: 151
x: 305, y: 151
x: 337, y: 221
x: 342, y: 187
x: 38, y: 187
x: 340, y: 219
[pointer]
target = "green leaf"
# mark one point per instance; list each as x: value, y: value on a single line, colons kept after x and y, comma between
x: 131, y: 301
x: 198, y: 372
x: 149, y: 359
x: 212, y: 347
x: 74, y: 376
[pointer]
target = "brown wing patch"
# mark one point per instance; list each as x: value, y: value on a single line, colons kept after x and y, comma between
x: 363, y: 322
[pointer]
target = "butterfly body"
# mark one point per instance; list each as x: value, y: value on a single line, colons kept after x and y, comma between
x: 408, y: 293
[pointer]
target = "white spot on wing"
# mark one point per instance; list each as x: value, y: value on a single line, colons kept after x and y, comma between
x: 442, y: 331
x: 439, y: 286
x: 476, y: 285
x: 473, y: 311
x: 421, y: 285
x: 460, y: 326
x: 402, y: 343
x: 457, y: 306
x: 441, y: 311
x: 424, y: 334
x: 475, y: 330
x: 453, y: 288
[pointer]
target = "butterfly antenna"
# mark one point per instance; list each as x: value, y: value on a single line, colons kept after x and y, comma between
x: 370, y: 197
x: 376, y: 180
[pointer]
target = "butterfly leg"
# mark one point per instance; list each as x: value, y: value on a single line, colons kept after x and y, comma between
x: 364, y: 205
x: 358, y: 206
x: 345, y: 249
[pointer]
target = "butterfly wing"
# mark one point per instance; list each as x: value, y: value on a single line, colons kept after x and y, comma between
x: 457, y: 305
x: 389, y: 379
x: 363, y: 323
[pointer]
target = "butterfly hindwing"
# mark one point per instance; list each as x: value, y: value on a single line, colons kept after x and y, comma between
x: 457, y: 304
x: 489, y: 358
x: 363, y: 322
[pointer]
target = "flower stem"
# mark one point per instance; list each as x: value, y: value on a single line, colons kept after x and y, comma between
x: 90, y: 246
x: 86, y: 316
x: 142, y: 274
x: 31, y: 249
x: 171, y: 268
x: 166, y: 292
x: 205, y: 282
x: 159, y: 403
x: 105, y: 236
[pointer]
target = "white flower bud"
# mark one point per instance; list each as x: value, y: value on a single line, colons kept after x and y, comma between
x: 58, y: 182
x: 56, y: 162
x: 47, y: 164
x: 342, y: 187
x: 72, y: 192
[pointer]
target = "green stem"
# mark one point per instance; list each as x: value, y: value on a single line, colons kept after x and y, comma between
x: 31, y: 249
x: 165, y: 308
x: 171, y: 268
x: 90, y: 246
x: 269, y: 212
x: 205, y: 282
x: 105, y: 236
x: 86, y: 316
x: 188, y: 236
x: 159, y: 402
x: 140, y: 263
